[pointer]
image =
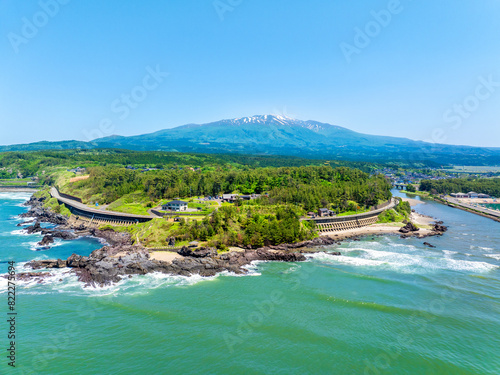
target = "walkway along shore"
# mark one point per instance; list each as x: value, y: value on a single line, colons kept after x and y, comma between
x: 101, y: 217
x: 327, y: 225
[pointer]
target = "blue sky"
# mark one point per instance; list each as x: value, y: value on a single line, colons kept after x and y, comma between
x: 425, y: 70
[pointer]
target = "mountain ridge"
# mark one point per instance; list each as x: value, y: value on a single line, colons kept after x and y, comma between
x: 281, y: 135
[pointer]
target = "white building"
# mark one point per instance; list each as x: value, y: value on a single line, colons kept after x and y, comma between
x: 175, y: 206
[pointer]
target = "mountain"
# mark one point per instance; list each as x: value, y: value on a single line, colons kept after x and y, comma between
x: 279, y: 135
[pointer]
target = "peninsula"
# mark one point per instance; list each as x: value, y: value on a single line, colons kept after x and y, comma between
x: 205, y: 219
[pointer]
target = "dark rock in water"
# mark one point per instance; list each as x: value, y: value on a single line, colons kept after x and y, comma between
x: 111, y: 264
x: 440, y: 228
x: 428, y: 244
x: 410, y: 227
x: 35, y: 228
x: 46, y: 240
x: 49, y: 263
x: 335, y: 253
x: 439, y: 222
x: 198, y: 253
x: 43, y: 214
x: 65, y: 235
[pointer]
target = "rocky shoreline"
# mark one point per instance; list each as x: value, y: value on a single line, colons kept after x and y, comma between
x: 121, y: 259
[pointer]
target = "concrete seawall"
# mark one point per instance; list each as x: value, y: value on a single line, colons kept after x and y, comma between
x: 340, y: 223
x: 100, y: 216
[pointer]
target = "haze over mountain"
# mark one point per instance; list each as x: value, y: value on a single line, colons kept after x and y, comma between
x: 278, y: 135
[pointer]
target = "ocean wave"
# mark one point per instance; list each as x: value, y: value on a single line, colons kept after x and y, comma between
x: 251, y: 269
x: 494, y: 256
x: 65, y: 281
x: 401, y: 262
x: 472, y: 247
x: 449, y: 252
x: 15, y: 196
x: 20, y: 232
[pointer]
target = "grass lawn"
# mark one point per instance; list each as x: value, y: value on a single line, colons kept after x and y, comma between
x: 15, y: 182
x: 128, y: 208
x: 134, y: 203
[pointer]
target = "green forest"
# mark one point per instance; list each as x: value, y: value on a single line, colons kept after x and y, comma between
x: 287, y: 188
x: 490, y: 186
x: 35, y: 162
x: 307, y: 187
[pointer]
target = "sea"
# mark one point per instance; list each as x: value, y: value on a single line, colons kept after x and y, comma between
x: 385, y: 306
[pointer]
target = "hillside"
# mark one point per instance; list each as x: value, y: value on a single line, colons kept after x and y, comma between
x: 278, y: 135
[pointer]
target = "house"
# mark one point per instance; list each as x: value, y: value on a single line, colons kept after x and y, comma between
x: 459, y: 195
x: 472, y: 194
x: 483, y: 195
x: 229, y: 198
x: 323, y: 212
x: 77, y: 170
x: 175, y: 206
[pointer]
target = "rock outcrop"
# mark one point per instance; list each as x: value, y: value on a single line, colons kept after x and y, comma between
x: 438, y: 227
x: 43, y: 214
x: 409, y: 227
x: 111, y: 263
x: 46, y: 240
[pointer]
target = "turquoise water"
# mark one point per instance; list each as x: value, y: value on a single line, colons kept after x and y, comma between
x: 495, y: 206
x: 386, y: 306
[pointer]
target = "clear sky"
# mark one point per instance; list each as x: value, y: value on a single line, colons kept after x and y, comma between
x: 79, y: 69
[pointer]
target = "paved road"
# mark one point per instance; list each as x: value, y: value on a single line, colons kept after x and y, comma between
x: 92, y: 211
x: 472, y: 207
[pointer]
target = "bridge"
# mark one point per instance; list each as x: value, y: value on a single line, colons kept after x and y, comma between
x: 340, y: 223
x: 96, y: 216
x: 400, y: 186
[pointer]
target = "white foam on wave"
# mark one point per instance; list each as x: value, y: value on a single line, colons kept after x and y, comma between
x: 20, y: 232
x: 485, y: 248
x: 251, y: 269
x: 401, y: 262
x: 334, y: 259
x: 65, y: 281
x: 449, y: 252
x: 465, y: 265
x: 5, y: 195
x: 494, y: 256
x: 472, y: 247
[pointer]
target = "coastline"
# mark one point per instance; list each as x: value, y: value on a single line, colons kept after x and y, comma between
x: 6, y: 189
x: 459, y: 206
x: 119, y: 258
